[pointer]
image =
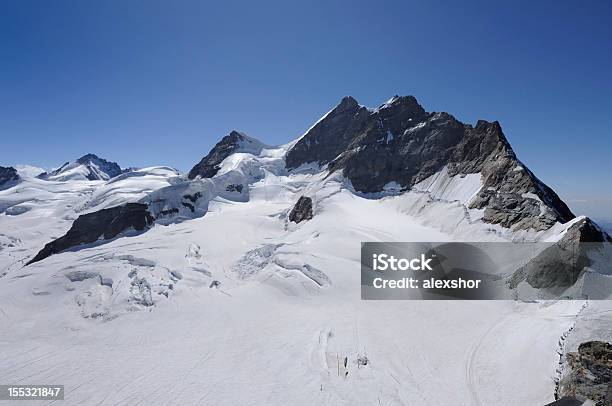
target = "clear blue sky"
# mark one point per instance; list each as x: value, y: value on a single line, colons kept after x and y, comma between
x: 147, y: 82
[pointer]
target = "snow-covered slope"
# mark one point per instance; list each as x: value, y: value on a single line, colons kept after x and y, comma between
x: 36, y: 211
x: 225, y: 301
x: 29, y: 170
x: 87, y: 167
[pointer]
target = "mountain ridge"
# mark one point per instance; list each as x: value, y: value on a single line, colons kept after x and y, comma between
x: 88, y: 167
x: 398, y: 144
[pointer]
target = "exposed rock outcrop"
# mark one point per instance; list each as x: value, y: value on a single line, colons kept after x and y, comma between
x: 561, y: 264
x: 8, y: 174
x: 400, y: 142
x: 302, y: 210
x: 331, y: 136
x: 234, y: 188
x: 231, y: 143
x: 590, y: 373
x: 104, y: 224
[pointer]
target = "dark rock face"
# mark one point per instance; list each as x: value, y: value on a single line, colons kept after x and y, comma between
x: 189, y: 206
x: 234, y: 188
x: 400, y: 142
x: 209, y: 165
x: 562, y: 264
x: 103, y: 224
x: 168, y: 212
x: 590, y: 373
x: 511, y: 191
x: 302, y: 210
x: 587, y: 231
x: 193, y: 198
x: 331, y: 136
x: 377, y: 156
x: 8, y: 174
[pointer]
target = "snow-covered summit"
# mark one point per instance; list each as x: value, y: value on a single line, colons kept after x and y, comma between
x: 232, y: 143
x: 87, y: 167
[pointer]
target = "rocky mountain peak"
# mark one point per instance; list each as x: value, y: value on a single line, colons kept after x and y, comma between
x: 347, y: 103
x: 87, y: 167
x: 234, y: 142
x: 402, y: 103
x: 330, y: 136
x: 233, y: 137
x: 8, y: 174
x: 87, y: 158
x: 400, y: 142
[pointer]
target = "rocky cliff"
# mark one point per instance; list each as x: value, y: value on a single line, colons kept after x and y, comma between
x: 231, y: 143
x: 8, y: 174
x: 401, y: 142
x: 104, y: 224
x: 590, y: 373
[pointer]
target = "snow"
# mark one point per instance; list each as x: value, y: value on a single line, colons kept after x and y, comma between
x: 388, y: 103
x: 131, y: 186
x: 442, y: 186
x: 72, y: 171
x: 28, y: 170
x: 56, y: 204
x: 389, y: 136
x: 392, y: 187
x: 24, y: 208
x: 415, y: 127
x: 250, y: 145
x: 232, y: 304
x: 84, y: 168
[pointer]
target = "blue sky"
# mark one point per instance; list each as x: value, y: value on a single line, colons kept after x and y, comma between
x: 150, y: 82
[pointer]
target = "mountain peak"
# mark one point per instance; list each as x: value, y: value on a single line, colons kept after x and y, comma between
x: 87, y: 167
x: 333, y: 134
x: 89, y: 157
x: 402, y: 143
x: 347, y: 102
x: 8, y: 174
x: 235, y: 141
x: 235, y: 134
x: 400, y: 101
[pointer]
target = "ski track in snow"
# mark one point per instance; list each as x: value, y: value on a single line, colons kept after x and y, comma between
x: 469, y: 365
